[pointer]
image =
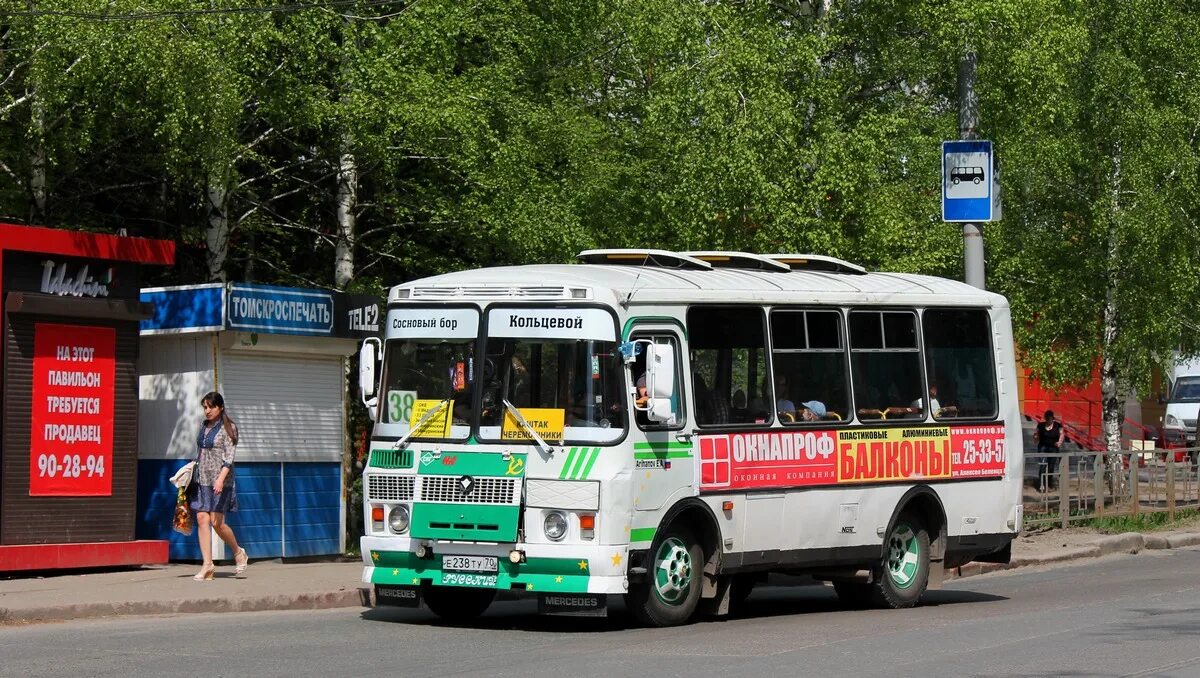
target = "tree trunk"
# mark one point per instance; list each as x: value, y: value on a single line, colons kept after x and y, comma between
x: 37, y: 163
x: 217, y: 233
x: 1112, y: 381
x: 347, y: 202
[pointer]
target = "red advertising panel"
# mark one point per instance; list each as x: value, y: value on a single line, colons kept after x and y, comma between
x: 979, y: 451
x: 72, y: 421
x: 739, y: 461
x: 769, y: 459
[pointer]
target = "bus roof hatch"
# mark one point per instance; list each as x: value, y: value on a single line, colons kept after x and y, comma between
x: 817, y: 262
x: 637, y: 257
x: 744, y: 260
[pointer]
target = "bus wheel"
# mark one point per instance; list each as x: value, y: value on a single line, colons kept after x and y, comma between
x: 455, y: 604
x: 905, y: 569
x: 672, y: 591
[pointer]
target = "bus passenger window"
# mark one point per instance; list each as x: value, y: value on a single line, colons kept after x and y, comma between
x: 729, y: 354
x: 959, y: 362
x: 886, y: 364
x: 809, y: 359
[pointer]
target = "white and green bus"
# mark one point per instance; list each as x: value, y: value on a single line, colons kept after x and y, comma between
x: 672, y: 427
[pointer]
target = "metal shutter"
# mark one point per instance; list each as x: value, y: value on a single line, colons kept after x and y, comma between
x: 287, y: 408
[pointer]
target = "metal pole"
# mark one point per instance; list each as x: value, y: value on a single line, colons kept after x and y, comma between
x: 968, y: 121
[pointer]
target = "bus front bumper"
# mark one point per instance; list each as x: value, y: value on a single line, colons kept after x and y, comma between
x: 545, y: 568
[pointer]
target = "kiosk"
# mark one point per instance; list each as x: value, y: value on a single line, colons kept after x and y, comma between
x: 69, y: 395
x: 278, y: 356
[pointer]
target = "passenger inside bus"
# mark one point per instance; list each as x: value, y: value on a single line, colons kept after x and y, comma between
x: 811, y: 410
x: 938, y: 409
x: 786, y: 410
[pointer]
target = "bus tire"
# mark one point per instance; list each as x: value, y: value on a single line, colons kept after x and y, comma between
x: 455, y: 604
x: 904, y: 572
x: 671, y: 592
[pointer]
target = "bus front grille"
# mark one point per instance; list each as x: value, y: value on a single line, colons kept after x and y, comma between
x: 449, y: 489
x: 390, y: 488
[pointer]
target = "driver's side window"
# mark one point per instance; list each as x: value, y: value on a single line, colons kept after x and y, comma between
x: 640, y: 393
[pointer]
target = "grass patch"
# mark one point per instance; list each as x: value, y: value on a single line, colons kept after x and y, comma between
x: 1142, y: 522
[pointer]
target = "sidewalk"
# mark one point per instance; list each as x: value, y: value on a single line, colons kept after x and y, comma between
x: 271, y: 585
x: 166, y: 589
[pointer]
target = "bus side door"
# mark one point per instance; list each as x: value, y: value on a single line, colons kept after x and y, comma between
x: 664, y: 464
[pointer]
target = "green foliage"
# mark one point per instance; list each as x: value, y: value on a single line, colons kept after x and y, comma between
x: 1143, y: 522
x: 509, y: 131
x: 1096, y: 108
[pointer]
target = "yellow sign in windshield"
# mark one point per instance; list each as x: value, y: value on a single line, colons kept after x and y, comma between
x: 547, y: 422
x: 437, y: 426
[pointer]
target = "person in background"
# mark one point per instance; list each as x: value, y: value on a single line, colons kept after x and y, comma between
x: 1049, y: 437
x: 214, y: 491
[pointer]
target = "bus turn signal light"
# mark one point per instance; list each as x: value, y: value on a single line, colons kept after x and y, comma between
x: 587, y: 522
x: 377, y: 514
x: 727, y: 506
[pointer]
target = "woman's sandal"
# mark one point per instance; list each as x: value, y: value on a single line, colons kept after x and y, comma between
x: 241, y: 559
x: 206, y: 572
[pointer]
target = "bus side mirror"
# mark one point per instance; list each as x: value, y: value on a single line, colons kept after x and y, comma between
x: 660, y: 382
x: 368, y: 356
x: 1162, y: 398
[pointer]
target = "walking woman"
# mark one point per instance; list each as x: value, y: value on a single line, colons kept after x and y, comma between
x: 215, y: 492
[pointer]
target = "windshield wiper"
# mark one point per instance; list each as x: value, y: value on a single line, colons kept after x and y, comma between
x: 403, y: 442
x: 542, y: 445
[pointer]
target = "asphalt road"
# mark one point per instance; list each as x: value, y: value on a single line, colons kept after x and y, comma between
x: 1118, y: 616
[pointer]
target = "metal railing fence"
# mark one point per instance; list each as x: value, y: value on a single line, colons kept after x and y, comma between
x: 1066, y: 487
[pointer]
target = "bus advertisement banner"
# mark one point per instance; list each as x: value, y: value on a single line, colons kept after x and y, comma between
x: 782, y: 459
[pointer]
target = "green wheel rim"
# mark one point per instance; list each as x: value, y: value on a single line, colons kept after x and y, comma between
x: 672, y: 571
x: 904, y: 556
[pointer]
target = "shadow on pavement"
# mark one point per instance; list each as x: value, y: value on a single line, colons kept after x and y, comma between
x: 765, y: 602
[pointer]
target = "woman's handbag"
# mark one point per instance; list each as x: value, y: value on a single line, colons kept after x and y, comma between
x: 181, y: 522
x: 183, y: 477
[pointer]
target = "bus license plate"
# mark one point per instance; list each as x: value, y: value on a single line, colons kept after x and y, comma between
x: 470, y: 563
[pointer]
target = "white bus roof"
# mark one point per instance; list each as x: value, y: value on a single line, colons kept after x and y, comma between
x: 657, y: 276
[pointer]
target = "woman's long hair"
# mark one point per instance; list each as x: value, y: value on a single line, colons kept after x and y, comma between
x: 214, y: 399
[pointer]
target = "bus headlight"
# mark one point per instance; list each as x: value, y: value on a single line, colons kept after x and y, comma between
x: 398, y: 519
x: 555, y: 526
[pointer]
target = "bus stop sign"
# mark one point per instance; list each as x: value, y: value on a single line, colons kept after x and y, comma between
x: 967, y: 181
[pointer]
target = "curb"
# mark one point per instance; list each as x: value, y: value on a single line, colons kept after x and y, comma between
x: 1127, y: 542
x: 358, y: 597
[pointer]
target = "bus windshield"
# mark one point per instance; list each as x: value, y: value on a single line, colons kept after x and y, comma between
x: 562, y: 362
x: 431, y: 364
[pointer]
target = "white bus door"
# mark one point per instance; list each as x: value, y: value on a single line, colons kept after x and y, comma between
x: 664, y: 464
